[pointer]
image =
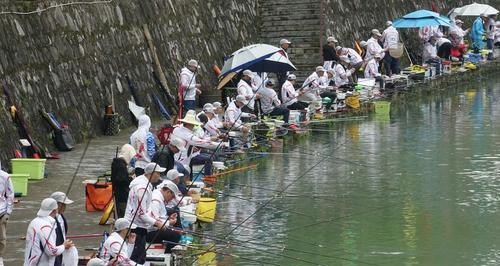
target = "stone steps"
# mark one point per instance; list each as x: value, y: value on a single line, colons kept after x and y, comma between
x: 292, y: 18
x: 287, y: 12
x: 290, y: 34
x: 292, y: 28
x: 286, y: 3
x: 286, y: 23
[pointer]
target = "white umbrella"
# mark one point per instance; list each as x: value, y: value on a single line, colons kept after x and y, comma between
x: 276, y: 63
x: 474, y: 10
x: 247, y: 56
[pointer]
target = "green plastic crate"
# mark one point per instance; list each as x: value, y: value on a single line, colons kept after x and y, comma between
x: 20, y: 183
x: 382, y: 107
x: 35, y: 168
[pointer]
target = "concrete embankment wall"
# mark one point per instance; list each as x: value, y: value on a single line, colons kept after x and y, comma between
x: 68, y: 59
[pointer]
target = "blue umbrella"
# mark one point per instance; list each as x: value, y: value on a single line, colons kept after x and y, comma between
x: 422, y: 18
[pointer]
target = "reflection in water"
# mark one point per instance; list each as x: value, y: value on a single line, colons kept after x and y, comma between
x: 422, y: 188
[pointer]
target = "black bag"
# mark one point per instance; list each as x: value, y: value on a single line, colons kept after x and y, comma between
x: 63, y: 139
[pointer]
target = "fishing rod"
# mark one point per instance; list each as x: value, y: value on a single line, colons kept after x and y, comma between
x: 53, y: 226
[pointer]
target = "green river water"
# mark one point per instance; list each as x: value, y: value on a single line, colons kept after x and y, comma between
x: 420, y: 188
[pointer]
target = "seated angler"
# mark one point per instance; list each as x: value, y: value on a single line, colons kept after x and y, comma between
x: 313, y: 84
x: 233, y: 115
x: 430, y: 51
x: 270, y: 103
x: 328, y: 85
x: 246, y: 89
x: 341, y: 74
x: 119, y: 245
x: 371, y: 70
x: 289, y: 94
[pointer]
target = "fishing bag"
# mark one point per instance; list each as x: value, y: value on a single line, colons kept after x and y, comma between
x: 63, y: 139
x: 164, y: 134
x: 98, y: 195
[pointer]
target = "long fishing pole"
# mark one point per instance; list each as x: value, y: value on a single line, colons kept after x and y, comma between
x: 53, y: 226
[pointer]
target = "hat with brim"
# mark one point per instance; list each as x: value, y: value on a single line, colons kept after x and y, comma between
x: 173, y: 174
x: 190, y: 118
x: 171, y: 186
x: 376, y: 32
x: 61, y: 197
x: 193, y: 63
x: 122, y: 223
x: 154, y: 167
x: 178, y: 143
x: 241, y: 99
x: 46, y: 207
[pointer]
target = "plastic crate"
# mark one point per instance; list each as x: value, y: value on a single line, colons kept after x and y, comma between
x: 20, y: 183
x: 35, y: 168
x: 382, y: 107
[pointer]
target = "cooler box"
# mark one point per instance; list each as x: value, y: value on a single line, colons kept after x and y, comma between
x: 35, y: 168
x: 20, y: 183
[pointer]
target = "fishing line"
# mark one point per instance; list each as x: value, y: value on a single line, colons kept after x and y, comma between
x: 53, y: 226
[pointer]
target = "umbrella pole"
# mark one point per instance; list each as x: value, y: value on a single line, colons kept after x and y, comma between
x: 406, y: 51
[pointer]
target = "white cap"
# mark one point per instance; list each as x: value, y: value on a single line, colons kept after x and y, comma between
x: 483, y: 15
x: 193, y: 63
x: 331, y: 39
x: 377, y: 56
x: 207, y: 105
x: 363, y: 43
x: 209, y: 109
x: 320, y: 68
x: 178, y: 143
x: 292, y: 77
x: 61, y: 197
x: 154, y: 167
x: 338, y: 48
x: 122, y: 223
x: 217, y: 104
x: 331, y: 71
x: 283, y: 41
x: 173, y: 174
x: 270, y: 82
x: 376, y: 32
x: 242, y: 99
x: 458, y: 21
x: 46, y: 207
x: 388, y: 23
x: 170, y: 185
x: 247, y: 73
x: 96, y: 262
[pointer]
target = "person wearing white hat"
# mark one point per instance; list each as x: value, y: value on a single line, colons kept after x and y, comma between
x: 233, y: 114
x: 166, y: 157
x: 342, y: 74
x: 390, y: 39
x: 119, y: 246
x: 477, y: 33
x: 373, y: 47
x: 313, y: 85
x: 138, y: 204
x: 144, y: 144
x: 189, y: 86
x: 270, y: 104
x: 289, y: 94
x: 329, y: 53
x: 120, y: 177
x: 210, y: 125
x: 429, y: 54
x: 192, y: 155
x: 6, y: 204
x: 281, y: 76
x: 371, y: 70
x: 354, y: 59
x: 246, y: 89
x: 167, y: 194
x: 219, y: 114
x: 284, y: 45
x: 41, y: 248
x: 461, y: 33
x: 61, y: 222
x: 490, y: 26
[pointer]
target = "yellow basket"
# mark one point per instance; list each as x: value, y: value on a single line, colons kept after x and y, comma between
x: 205, y: 211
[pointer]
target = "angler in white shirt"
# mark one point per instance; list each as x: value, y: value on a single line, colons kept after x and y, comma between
x: 6, y: 203
x: 41, y: 246
x: 353, y: 59
x: 371, y: 70
x: 189, y: 86
x: 270, y: 103
x: 245, y: 88
x: 289, y: 94
x: 119, y: 246
x: 210, y: 126
x: 233, y: 114
x: 219, y: 114
x: 430, y: 51
x: 341, y: 74
x: 390, y: 38
x: 373, y: 47
x: 313, y: 85
x: 165, y: 193
x: 138, y: 206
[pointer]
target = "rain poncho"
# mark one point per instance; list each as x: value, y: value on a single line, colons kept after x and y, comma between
x: 477, y: 33
x: 143, y: 142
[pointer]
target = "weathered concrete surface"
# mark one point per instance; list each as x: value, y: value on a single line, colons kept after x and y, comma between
x: 67, y: 60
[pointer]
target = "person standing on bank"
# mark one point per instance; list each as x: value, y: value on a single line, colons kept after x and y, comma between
x: 477, y: 33
x: 390, y: 38
x: 144, y: 144
x: 138, y: 206
x: 189, y: 86
x: 284, y: 45
x: 120, y: 177
x: 6, y: 204
x: 329, y: 53
x: 373, y: 47
x: 41, y: 248
x: 61, y: 222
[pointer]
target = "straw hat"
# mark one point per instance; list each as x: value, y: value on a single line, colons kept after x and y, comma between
x: 190, y: 118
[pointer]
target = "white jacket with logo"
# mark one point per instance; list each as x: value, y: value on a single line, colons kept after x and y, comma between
x: 247, y: 90
x: 136, y: 202
x: 41, y: 246
x: 111, y: 247
x: 233, y: 115
x: 188, y: 84
x: 6, y: 194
